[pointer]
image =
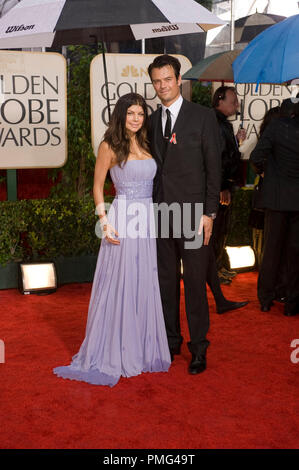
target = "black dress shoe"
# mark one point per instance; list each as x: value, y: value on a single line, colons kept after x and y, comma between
x: 227, y: 273
x: 290, y: 310
x: 266, y: 307
x: 175, y: 350
x: 230, y: 305
x: 198, y: 364
x: 282, y: 300
x: 290, y: 314
x: 225, y: 281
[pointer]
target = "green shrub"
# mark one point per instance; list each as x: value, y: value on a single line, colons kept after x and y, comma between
x: 12, y: 225
x: 76, y: 177
x: 202, y: 94
x: 240, y: 233
x: 41, y: 229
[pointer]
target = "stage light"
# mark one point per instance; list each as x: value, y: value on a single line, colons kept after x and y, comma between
x: 241, y: 257
x: 37, y: 278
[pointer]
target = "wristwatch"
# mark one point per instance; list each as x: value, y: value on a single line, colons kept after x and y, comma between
x: 212, y: 215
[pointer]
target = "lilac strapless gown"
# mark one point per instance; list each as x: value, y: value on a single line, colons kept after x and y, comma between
x: 125, y: 331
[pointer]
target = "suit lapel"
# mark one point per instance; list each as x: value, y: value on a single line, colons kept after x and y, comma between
x: 180, y: 120
x: 179, y: 127
x: 157, y: 123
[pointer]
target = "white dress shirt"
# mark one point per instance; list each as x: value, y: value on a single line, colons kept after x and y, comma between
x: 174, y: 109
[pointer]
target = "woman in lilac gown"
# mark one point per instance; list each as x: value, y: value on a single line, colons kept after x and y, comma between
x: 125, y: 332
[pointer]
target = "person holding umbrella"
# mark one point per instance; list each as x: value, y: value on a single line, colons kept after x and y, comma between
x: 277, y: 156
x: 225, y: 103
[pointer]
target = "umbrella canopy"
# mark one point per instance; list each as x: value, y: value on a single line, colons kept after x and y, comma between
x: 6, y: 5
x: 32, y: 23
x: 248, y: 27
x: 217, y: 67
x: 272, y: 57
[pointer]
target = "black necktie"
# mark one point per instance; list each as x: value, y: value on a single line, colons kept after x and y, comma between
x: 167, y: 131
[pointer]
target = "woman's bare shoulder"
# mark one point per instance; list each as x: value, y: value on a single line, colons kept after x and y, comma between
x: 105, y: 153
x: 105, y: 147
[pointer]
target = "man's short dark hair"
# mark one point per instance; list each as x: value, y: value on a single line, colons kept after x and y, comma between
x: 220, y: 94
x: 164, y: 60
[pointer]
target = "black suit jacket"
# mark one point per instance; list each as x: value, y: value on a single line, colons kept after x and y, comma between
x: 231, y: 155
x: 277, y: 154
x: 191, y: 171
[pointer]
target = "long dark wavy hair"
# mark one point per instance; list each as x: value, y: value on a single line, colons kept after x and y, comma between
x: 117, y: 136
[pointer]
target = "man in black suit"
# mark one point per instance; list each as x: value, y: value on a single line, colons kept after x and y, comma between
x: 185, y: 143
x: 277, y: 156
x: 225, y: 103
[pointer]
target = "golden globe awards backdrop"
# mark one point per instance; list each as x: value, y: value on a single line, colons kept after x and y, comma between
x: 127, y: 73
x: 256, y: 104
x: 32, y: 110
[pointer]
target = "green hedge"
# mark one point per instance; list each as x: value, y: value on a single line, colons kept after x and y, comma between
x: 42, y: 229
x: 240, y: 233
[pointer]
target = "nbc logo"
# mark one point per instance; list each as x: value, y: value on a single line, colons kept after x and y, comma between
x: 131, y: 70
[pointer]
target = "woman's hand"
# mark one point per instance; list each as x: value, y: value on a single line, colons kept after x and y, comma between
x: 108, y: 231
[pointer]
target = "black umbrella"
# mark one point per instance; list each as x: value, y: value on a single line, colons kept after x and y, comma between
x: 63, y: 22
x: 57, y: 22
x: 248, y: 27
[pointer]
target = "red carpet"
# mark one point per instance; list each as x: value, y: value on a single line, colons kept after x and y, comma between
x: 247, y: 398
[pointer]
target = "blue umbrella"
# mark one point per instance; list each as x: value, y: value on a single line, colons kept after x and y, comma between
x: 272, y: 57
